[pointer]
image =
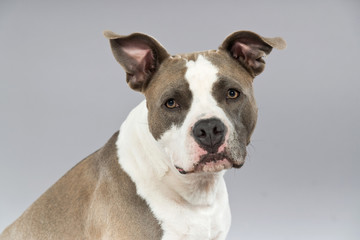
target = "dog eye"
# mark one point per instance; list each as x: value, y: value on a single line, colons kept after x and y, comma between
x: 171, y: 103
x: 232, y: 94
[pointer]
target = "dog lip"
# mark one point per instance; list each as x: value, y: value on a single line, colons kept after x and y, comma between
x: 181, y: 170
x: 237, y: 165
x: 210, y: 157
x: 213, y: 157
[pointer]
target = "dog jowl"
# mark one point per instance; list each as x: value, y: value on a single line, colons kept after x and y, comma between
x: 161, y: 175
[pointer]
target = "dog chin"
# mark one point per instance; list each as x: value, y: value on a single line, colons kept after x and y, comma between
x: 212, y: 163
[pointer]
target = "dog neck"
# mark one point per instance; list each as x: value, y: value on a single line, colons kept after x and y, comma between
x: 153, y: 173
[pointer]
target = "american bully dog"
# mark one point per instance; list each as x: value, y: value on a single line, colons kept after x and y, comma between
x: 161, y: 175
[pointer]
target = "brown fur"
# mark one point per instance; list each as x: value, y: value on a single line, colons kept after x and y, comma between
x: 233, y: 75
x: 94, y: 200
x: 168, y: 82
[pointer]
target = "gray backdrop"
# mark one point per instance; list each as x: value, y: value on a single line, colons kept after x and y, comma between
x: 62, y: 95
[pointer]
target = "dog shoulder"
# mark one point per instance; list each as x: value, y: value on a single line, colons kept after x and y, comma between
x: 94, y: 195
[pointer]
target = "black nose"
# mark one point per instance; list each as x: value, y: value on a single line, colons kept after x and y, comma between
x: 209, y: 134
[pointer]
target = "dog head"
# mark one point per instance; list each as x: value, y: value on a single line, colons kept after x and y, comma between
x: 201, y: 106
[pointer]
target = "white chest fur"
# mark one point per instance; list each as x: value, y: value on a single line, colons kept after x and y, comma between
x: 183, y: 221
x: 187, y: 207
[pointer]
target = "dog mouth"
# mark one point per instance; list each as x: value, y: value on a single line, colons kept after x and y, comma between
x: 212, y: 162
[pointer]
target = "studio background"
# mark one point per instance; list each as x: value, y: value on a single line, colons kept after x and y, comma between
x: 62, y: 95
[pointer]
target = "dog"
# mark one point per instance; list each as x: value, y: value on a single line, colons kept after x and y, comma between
x: 161, y: 175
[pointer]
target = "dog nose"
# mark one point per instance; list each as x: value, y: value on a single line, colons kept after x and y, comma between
x: 209, y: 134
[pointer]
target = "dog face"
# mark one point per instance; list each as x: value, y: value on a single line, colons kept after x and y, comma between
x: 202, y: 114
x: 201, y: 107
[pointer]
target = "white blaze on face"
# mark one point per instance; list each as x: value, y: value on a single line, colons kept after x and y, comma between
x: 201, y: 75
x: 178, y: 141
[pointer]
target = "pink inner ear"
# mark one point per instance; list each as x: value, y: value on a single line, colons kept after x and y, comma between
x: 141, y: 54
x: 136, y: 53
x: 239, y: 49
x: 247, y: 51
x: 250, y: 53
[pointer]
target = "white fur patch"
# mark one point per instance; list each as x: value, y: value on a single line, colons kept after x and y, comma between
x: 190, y: 207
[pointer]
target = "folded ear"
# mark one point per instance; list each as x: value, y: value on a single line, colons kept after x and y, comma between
x: 140, y: 55
x: 250, y: 49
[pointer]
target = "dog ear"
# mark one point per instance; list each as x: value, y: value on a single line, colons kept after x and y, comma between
x: 250, y: 49
x: 140, y: 55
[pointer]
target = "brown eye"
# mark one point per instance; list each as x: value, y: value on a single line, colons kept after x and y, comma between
x: 233, y: 94
x: 171, y: 104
